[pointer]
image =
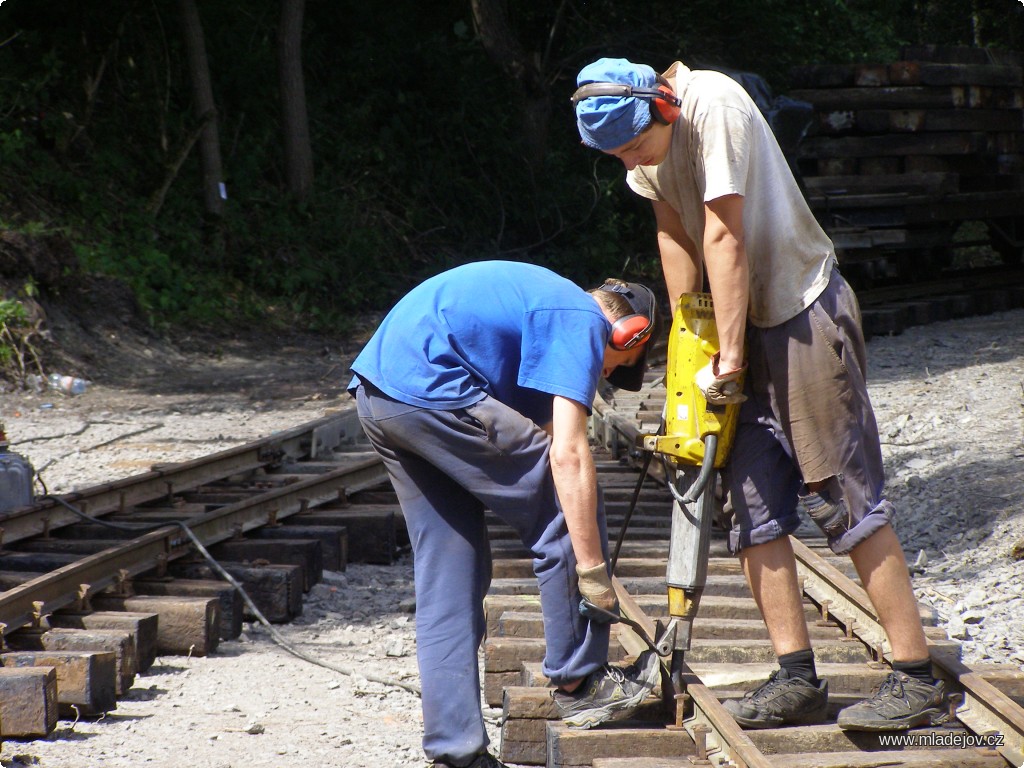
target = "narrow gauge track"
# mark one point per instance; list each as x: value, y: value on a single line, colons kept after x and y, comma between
x: 80, y: 595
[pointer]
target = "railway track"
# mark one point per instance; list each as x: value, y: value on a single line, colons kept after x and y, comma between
x: 97, y: 583
x: 85, y: 606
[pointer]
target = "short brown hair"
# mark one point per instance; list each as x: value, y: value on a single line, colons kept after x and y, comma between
x: 615, y: 303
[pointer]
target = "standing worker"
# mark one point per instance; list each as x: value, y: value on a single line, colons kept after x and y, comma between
x: 475, y: 391
x: 725, y: 200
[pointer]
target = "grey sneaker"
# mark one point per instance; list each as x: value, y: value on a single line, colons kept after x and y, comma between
x: 900, y: 702
x: 483, y: 760
x: 781, y: 700
x: 609, y: 692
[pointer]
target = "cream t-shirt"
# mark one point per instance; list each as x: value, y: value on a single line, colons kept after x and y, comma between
x: 721, y: 145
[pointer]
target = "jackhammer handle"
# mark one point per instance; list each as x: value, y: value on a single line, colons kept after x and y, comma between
x: 600, y: 615
x: 707, y: 468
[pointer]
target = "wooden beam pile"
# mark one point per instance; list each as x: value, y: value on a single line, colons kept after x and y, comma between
x: 900, y: 154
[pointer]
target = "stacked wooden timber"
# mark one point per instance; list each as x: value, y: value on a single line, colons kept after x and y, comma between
x: 899, y: 155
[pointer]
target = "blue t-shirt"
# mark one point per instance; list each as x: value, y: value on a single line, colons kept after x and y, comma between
x: 517, y: 332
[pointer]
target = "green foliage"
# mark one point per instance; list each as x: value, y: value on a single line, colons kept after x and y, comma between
x: 18, y: 334
x: 12, y: 313
x: 12, y: 146
x: 418, y: 135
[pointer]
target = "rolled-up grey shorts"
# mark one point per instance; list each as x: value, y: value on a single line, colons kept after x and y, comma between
x: 807, y: 418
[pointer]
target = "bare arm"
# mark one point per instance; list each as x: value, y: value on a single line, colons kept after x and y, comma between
x: 679, y: 260
x: 572, y: 467
x: 729, y: 276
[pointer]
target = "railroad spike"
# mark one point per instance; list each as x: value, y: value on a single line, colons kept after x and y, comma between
x: 83, y: 605
x: 700, y: 739
x: 37, y: 614
x: 681, y: 702
x: 124, y: 583
x: 824, y: 621
x: 878, y: 662
x: 850, y: 623
x: 953, y: 701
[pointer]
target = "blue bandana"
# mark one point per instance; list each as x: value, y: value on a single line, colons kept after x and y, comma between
x: 606, y: 122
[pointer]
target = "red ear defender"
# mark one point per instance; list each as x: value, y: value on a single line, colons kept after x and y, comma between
x: 665, y: 108
x: 630, y: 331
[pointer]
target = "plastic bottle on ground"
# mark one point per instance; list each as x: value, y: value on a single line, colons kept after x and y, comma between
x: 69, y: 385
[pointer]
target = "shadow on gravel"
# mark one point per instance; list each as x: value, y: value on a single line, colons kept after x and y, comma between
x: 144, y: 694
x: 927, y: 351
x: 163, y: 669
x: 952, y: 509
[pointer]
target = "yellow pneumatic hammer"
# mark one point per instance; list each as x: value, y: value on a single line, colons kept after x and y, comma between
x: 696, y: 441
x: 693, y: 443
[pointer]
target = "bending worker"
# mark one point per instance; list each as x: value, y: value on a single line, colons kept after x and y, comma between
x: 475, y: 391
x: 725, y: 201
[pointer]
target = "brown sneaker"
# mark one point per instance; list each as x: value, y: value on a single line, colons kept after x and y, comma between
x: 610, y: 692
x: 781, y: 700
x: 899, y: 703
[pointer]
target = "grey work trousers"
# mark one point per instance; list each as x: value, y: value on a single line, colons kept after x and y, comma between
x: 447, y: 467
x: 807, y: 418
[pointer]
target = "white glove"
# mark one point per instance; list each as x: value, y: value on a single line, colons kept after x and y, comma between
x: 720, y: 389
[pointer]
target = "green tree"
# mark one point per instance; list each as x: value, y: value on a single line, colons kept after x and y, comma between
x: 442, y: 133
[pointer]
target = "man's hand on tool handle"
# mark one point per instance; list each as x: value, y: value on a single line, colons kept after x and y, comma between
x: 720, y: 388
x: 596, y: 587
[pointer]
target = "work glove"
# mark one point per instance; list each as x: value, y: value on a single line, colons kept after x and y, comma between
x: 596, y: 588
x: 720, y: 389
